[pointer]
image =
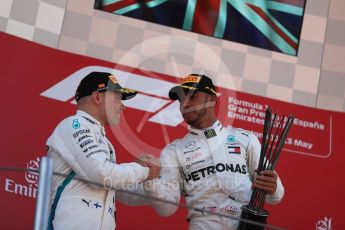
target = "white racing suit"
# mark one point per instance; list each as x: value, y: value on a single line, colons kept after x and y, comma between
x: 79, y: 148
x: 214, y: 170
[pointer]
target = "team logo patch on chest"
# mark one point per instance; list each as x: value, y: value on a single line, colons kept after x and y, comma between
x: 75, y: 124
x: 231, y: 139
x: 190, y: 145
x: 234, y: 149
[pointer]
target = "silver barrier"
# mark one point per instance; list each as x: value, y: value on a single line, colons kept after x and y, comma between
x: 43, y: 196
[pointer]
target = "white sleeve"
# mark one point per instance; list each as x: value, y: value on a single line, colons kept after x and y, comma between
x: 254, y: 149
x: 168, y: 186
x: 134, y: 195
x: 93, y: 165
x: 253, y: 155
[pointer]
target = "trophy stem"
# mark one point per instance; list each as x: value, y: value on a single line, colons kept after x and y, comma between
x: 274, y: 135
x: 259, y: 216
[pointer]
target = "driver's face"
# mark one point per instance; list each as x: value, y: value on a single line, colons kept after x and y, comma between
x: 113, y: 107
x: 193, y: 107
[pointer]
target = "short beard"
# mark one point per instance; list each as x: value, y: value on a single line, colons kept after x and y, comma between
x: 201, y: 113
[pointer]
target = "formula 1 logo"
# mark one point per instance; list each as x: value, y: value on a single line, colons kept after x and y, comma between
x: 152, y: 96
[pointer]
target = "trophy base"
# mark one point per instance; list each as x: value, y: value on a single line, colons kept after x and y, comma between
x: 253, y: 215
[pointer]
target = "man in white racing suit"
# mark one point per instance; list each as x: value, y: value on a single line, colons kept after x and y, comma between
x: 212, y: 166
x: 80, y: 148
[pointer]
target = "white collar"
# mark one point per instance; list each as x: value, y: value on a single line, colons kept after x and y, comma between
x: 91, y: 119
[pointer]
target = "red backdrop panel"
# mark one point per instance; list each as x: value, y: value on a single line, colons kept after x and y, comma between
x: 310, y: 165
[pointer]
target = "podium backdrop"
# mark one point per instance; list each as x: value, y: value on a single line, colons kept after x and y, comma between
x: 38, y: 85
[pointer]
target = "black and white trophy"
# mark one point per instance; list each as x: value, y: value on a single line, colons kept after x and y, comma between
x: 274, y: 135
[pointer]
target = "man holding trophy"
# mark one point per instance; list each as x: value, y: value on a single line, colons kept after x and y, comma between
x: 214, y: 167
